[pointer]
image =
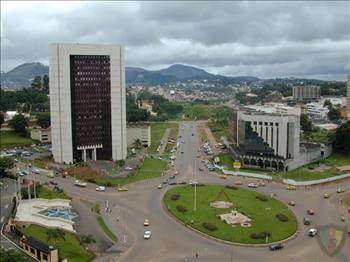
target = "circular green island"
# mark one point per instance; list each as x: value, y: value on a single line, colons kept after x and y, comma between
x: 232, y: 213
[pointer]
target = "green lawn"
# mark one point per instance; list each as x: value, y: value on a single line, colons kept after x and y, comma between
x: 106, y: 229
x: 202, y: 111
x: 69, y: 248
x: 227, y: 160
x: 304, y: 173
x: 11, y: 139
x: 218, y: 130
x: 173, y: 135
x: 43, y: 192
x: 321, y: 136
x: 152, y: 167
x: 157, y: 131
x: 262, y: 213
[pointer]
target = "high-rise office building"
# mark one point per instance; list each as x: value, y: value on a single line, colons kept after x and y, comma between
x: 87, y: 102
x: 308, y: 92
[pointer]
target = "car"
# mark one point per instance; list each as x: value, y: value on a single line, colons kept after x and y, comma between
x: 147, y: 234
x: 25, y: 172
x: 312, y: 232
x: 128, y: 168
x: 182, y: 152
x: 173, y: 183
x: 252, y: 185
x: 326, y: 195
x: 36, y: 171
x: 146, y: 223
x: 182, y: 183
x: 80, y: 183
x: 165, y: 182
x: 238, y: 182
x: 20, y: 174
x: 200, y: 169
x: 193, y: 182
x: 122, y: 189
x: 160, y: 186
x: 100, y: 188
x: 291, y: 188
x: 291, y: 203
x: 192, y: 134
x: 306, y: 221
x: 340, y: 190
x: 30, y: 165
x: 52, y: 182
x: 276, y: 247
x: 310, y: 211
x: 176, y: 173
x: 172, y: 177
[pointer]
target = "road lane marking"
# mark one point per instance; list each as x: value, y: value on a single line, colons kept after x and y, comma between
x: 7, y: 206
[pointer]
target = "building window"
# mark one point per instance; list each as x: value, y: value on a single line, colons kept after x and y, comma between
x: 32, y: 250
x: 45, y: 257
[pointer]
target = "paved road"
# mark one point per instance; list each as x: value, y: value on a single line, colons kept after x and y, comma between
x: 173, y: 242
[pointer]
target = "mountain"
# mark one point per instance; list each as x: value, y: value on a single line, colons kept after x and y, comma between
x: 21, y: 76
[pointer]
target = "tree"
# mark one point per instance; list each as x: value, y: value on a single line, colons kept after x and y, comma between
x: 305, y: 123
x: 43, y: 119
x: 137, y: 143
x: 54, y: 234
x: 11, y: 255
x: 327, y: 103
x: 334, y: 113
x: 2, y: 118
x: 5, y: 163
x: 37, y: 83
x: 87, y: 239
x: 342, y: 139
x: 19, y: 123
x: 45, y: 83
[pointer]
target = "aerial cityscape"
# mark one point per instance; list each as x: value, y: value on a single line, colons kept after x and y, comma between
x: 175, y: 131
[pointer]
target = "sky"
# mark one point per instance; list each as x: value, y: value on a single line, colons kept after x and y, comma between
x: 263, y: 39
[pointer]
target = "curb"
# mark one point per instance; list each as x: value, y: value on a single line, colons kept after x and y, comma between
x: 204, y: 235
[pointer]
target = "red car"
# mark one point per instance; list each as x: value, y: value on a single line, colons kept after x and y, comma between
x: 310, y: 212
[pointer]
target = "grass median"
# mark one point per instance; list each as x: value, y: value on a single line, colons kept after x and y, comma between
x: 11, y: 139
x: 106, y: 229
x: 262, y: 213
x: 157, y: 132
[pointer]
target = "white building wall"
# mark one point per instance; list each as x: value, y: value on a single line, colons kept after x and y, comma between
x: 60, y: 98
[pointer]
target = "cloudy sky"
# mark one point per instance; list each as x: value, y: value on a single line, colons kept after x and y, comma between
x: 264, y: 39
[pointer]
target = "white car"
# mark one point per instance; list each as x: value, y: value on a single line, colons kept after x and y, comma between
x: 36, y: 171
x: 147, y: 235
x: 146, y: 223
x: 312, y: 232
x: 160, y: 186
x: 100, y: 188
x: 252, y: 185
x: 193, y: 182
x: 128, y: 168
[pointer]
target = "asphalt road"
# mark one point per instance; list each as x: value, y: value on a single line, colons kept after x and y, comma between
x: 172, y: 241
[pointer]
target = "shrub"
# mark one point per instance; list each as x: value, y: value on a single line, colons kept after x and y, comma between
x: 262, y: 198
x: 91, y: 180
x: 231, y: 187
x: 261, y: 235
x: 282, y: 217
x: 209, y: 226
x: 181, y: 208
x: 175, y: 196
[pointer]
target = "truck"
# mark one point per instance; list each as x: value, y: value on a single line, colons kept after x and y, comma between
x: 80, y: 183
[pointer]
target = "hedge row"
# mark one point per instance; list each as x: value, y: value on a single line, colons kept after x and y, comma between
x: 175, y: 196
x: 282, y: 217
x: 209, y: 226
x: 261, y: 235
x: 181, y: 208
x: 261, y: 198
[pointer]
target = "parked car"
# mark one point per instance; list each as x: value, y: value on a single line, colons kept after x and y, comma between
x: 252, y: 185
x: 340, y: 190
x: 291, y: 203
x: 80, y: 184
x: 310, y: 211
x: 173, y: 183
x: 276, y: 247
x: 36, y: 171
x: 326, y: 195
x: 146, y: 223
x: 160, y: 186
x: 165, y: 182
x: 147, y: 234
x: 128, y: 168
x: 291, y: 188
x: 312, y: 232
x: 306, y: 221
x: 122, y: 189
x: 172, y: 177
x: 100, y: 188
x: 52, y: 182
x: 182, y: 183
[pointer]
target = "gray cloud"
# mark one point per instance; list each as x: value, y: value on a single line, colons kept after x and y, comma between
x: 264, y: 39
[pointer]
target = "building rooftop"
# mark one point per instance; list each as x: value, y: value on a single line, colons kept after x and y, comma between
x: 38, y: 244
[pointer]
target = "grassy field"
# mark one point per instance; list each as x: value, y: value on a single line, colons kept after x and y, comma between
x: 11, y: 139
x: 173, y: 135
x: 69, y: 248
x: 38, y: 162
x: 201, y: 111
x: 319, y: 136
x: 304, y: 173
x: 157, y: 131
x: 262, y: 213
x: 43, y: 192
x: 152, y: 167
x: 106, y: 229
x: 227, y: 160
x: 218, y: 130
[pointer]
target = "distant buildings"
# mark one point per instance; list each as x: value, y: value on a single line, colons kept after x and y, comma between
x: 147, y: 105
x: 277, y: 108
x: 317, y: 111
x: 308, y: 92
x: 87, y: 102
x: 41, y: 134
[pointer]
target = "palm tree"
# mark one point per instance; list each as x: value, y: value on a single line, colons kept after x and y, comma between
x: 87, y: 239
x: 55, y: 233
x: 137, y: 143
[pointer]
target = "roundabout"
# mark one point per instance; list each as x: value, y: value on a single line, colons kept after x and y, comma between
x: 251, y: 218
